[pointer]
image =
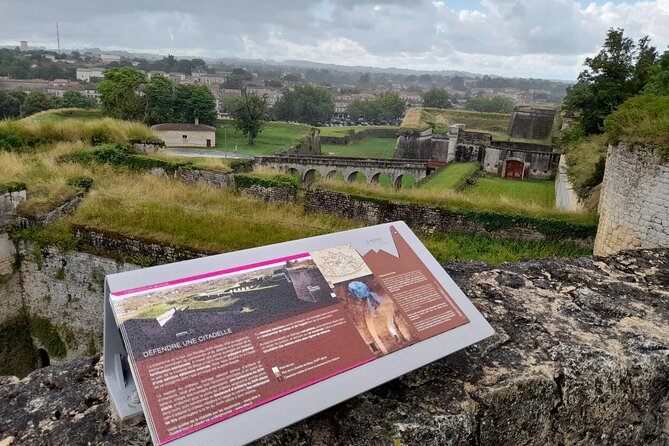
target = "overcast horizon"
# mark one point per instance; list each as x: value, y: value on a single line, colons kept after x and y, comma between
x: 516, y: 38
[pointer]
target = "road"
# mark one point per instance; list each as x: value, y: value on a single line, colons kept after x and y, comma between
x: 204, y: 153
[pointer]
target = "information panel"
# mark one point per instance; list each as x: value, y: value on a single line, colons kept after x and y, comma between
x: 227, y: 336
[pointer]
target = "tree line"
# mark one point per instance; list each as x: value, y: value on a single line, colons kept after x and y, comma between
x: 15, y: 104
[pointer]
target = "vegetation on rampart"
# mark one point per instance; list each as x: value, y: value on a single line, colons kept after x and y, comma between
x: 440, y: 120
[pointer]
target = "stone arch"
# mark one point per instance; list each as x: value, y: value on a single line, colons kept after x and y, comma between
x: 43, y: 358
x: 293, y: 171
x: 352, y: 177
x: 397, y: 182
x: 331, y: 175
x: 309, y: 178
x: 375, y: 178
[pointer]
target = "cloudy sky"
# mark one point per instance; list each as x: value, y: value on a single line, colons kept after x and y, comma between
x: 538, y: 38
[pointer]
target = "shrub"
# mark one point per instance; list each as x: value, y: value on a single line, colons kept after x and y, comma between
x: 242, y: 165
x: 276, y: 180
x: 82, y: 182
x: 122, y: 156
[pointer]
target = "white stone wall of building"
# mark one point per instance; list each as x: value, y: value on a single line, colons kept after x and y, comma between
x: 634, y: 204
x: 174, y: 138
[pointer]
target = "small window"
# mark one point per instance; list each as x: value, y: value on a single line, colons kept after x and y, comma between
x: 184, y: 136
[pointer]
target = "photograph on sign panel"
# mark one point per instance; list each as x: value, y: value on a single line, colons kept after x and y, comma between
x: 375, y: 315
x: 340, y: 264
x: 233, y: 302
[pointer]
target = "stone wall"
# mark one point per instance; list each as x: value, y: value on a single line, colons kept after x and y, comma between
x: 10, y: 281
x: 216, y: 179
x: 422, y: 217
x: 67, y: 289
x: 307, y: 145
x: 634, y: 203
x: 580, y: 357
x: 133, y: 248
x: 9, y: 201
x: 531, y: 123
x: 414, y: 145
x: 270, y: 194
x: 540, y: 161
x: 44, y: 219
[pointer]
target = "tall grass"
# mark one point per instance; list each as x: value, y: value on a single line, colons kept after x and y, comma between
x: 419, y: 119
x: 26, y: 133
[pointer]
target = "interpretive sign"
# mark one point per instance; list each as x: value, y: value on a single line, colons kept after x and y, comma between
x: 251, y: 341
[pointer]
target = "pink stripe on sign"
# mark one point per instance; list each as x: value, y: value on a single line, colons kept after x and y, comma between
x: 252, y: 406
x: 209, y: 275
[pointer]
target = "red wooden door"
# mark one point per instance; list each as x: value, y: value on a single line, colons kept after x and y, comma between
x: 514, y: 169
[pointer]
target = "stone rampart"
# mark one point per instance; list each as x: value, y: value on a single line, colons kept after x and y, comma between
x: 216, y: 179
x: 426, y: 218
x: 580, y: 357
x: 46, y: 218
x: 531, y: 123
x: 634, y: 202
x: 270, y: 194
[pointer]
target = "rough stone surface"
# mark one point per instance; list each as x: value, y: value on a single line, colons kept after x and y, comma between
x: 531, y: 123
x: 634, y: 202
x: 41, y: 220
x: 419, y: 217
x: 67, y: 288
x: 580, y: 357
x: 9, y: 201
x: 216, y: 179
x: 270, y: 194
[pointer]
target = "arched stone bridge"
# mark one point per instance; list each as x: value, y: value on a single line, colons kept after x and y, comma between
x: 328, y: 166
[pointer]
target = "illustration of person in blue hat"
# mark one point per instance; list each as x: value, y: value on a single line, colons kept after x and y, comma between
x: 362, y: 291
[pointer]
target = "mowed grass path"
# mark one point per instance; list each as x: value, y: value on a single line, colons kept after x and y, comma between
x: 450, y: 176
x: 367, y: 148
x: 274, y: 137
x: 345, y: 130
x: 539, y: 192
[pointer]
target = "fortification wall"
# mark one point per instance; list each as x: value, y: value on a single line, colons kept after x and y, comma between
x: 531, y: 123
x: 9, y: 201
x: 426, y: 218
x: 270, y: 194
x: 634, y: 203
x: 67, y: 289
x: 580, y: 357
x: 414, y: 145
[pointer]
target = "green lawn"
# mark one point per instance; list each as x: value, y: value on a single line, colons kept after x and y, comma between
x: 367, y: 148
x: 274, y: 137
x: 539, y: 192
x: 441, y: 120
x: 450, y: 177
x: 346, y: 130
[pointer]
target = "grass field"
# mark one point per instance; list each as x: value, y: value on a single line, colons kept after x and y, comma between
x: 450, y: 177
x: 66, y: 113
x: 535, y: 192
x: 274, y: 137
x: 346, y: 130
x: 366, y: 148
x: 440, y: 119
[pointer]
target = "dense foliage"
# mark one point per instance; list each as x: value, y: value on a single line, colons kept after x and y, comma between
x: 490, y: 105
x: 250, y: 113
x: 386, y: 107
x: 436, y: 98
x: 126, y: 93
x: 305, y: 104
x: 34, y: 65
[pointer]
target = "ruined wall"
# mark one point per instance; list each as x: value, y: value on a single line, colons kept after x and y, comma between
x: 634, y: 203
x: 10, y: 281
x: 216, y: 179
x: 307, y: 145
x: 270, y: 194
x: 432, y: 218
x: 580, y: 357
x: 67, y: 289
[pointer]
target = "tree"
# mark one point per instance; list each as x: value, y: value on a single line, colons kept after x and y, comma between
x: 159, y: 96
x: 75, y: 99
x: 436, y: 98
x: 194, y: 101
x: 10, y: 107
x: 250, y: 114
x: 658, y: 80
x: 36, y: 102
x: 497, y: 104
x: 119, y: 93
x: 386, y: 107
x: 305, y: 104
x: 228, y: 103
x: 616, y: 73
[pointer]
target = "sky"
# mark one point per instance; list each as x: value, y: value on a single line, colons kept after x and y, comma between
x: 517, y: 38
